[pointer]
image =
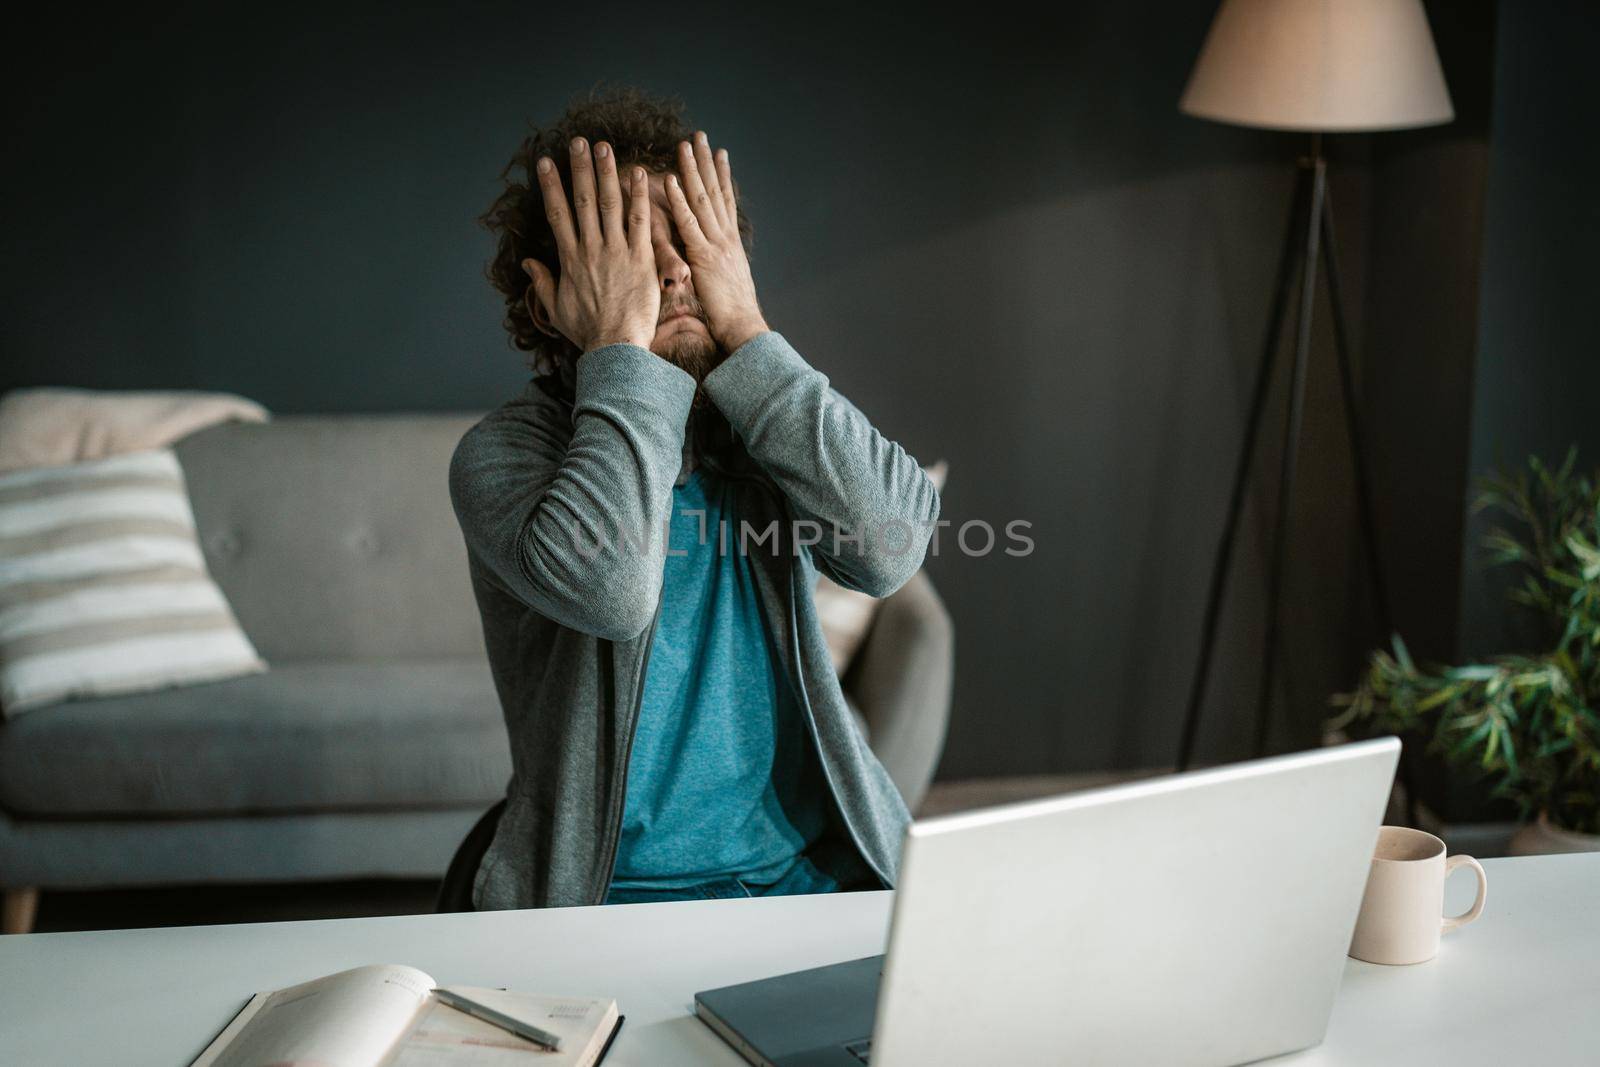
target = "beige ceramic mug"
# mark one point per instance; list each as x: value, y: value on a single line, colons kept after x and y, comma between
x: 1402, y: 912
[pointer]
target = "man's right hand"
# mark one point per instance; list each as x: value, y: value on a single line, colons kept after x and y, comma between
x: 608, y: 292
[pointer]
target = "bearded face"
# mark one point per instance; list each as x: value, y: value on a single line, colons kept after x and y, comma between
x: 682, y: 338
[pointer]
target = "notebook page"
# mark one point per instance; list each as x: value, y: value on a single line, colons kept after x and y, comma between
x: 445, y: 1037
x: 349, y: 1019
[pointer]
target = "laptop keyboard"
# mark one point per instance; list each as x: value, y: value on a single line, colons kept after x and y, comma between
x: 861, y: 1050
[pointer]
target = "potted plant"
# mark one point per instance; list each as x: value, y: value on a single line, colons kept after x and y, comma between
x: 1525, y: 722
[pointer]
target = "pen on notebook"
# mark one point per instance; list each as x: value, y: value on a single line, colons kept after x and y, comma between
x: 500, y: 1019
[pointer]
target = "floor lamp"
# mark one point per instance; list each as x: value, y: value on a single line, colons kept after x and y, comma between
x: 1314, y: 66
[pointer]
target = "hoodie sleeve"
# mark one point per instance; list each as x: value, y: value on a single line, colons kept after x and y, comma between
x: 562, y: 515
x: 874, y: 505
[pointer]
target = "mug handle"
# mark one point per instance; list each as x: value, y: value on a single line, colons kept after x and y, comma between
x: 1451, y: 922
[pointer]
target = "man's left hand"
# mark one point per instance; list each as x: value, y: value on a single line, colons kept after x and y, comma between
x: 708, y: 223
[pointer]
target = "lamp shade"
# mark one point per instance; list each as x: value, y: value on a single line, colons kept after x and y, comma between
x: 1324, y: 65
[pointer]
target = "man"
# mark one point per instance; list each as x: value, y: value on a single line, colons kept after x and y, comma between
x: 677, y: 729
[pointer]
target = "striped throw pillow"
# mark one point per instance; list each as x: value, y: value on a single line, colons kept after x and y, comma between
x: 103, y: 587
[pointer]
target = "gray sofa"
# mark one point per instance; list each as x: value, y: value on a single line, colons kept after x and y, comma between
x: 375, y: 740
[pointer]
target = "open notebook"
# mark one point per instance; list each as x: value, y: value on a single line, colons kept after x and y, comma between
x: 385, y: 1015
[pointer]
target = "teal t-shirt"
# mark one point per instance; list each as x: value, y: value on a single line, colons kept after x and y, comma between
x: 722, y: 781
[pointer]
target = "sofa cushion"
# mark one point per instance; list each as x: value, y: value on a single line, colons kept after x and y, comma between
x: 333, y: 535
x: 307, y: 736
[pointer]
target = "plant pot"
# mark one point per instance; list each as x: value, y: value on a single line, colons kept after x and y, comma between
x: 1540, y: 838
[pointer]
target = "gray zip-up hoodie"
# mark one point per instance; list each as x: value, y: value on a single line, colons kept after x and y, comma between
x: 554, y: 497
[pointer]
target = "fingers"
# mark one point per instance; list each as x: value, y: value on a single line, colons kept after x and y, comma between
x: 555, y: 209
x: 605, y: 162
x: 708, y: 176
x: 682, y: 217
x: 725, y: 180
x: 639, y: 211
x: 583, y: 192
x: 695, y: 189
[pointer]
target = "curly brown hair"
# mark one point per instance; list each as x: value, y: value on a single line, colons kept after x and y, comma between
x: 643, y: 129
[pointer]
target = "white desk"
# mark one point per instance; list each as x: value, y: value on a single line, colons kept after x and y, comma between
x: 1522, y: 985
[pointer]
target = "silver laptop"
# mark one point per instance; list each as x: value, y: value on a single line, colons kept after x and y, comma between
x: 1195, y: 919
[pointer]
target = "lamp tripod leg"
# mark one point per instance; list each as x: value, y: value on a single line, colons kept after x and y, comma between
x: 1289, y: 262
x: 1291, y: 451
x: 1358, y: 451
x: 1406, y: 771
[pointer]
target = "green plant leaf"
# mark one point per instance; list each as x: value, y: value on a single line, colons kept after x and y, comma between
x: 1402, y: 655
x: 1521, y: 722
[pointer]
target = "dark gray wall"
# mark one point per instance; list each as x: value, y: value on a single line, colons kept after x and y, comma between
x: 1426, y: 227
x: 996, y: 234
x: 1538, y: 372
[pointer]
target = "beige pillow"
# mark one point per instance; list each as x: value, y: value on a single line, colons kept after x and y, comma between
x: 50, y: 426
x: 103, y: 587
x: 845, y: 614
